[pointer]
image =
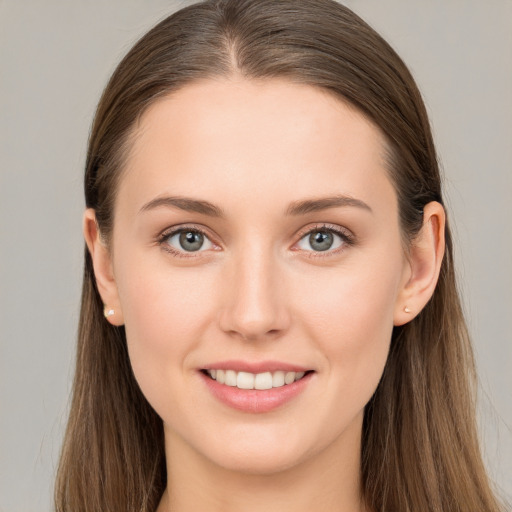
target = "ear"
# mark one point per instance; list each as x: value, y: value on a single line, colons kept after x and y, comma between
x: 425, y: 258
x: 102, y: 263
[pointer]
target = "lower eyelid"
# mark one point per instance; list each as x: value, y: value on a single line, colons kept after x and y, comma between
x: 342, y: 239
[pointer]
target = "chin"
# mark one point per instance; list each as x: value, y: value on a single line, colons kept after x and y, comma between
x: 260, y: 453
x: 261, y: 464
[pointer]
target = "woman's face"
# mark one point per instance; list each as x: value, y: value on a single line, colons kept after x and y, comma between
x: 256, y: 231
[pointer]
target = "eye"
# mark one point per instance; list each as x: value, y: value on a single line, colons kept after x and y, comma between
x: 323, y: 238
x: 186, y: 240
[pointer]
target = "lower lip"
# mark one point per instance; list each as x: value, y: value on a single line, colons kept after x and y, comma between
x: 256, y: 400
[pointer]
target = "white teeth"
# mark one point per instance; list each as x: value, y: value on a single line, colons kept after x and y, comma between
x: 289, y: 377
x: 221, y: 376
x: 230, y: 378
x: 278, y: 379
x: 246, y: 380
x: 263, y: 381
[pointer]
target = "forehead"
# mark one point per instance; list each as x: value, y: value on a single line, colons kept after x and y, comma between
x: 260, y: 140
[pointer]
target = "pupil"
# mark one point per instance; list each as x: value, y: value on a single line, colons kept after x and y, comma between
x: 191, y: 241
x: 321, y: 240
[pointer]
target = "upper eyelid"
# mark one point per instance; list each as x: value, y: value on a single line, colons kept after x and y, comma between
x: 167, y: 232
x: 301, y: 233
x: 325, y: 227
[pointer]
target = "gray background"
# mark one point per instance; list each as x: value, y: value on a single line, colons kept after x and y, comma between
x: 55, y: 58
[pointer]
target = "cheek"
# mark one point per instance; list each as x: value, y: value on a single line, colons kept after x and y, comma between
x: 160, y: 303
x: 354, y: 302
x: 352, y: 323
x: 165, y: 310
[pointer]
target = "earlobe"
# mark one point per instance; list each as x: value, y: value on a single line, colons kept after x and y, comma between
x: 425, y: 258
x: 102, y: 264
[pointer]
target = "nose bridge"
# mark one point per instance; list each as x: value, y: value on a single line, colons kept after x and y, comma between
x: 256, y: 305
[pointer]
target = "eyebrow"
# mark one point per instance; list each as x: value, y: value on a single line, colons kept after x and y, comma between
x: 185, y: 203
x: 323, y: 203
x: 295, y: 208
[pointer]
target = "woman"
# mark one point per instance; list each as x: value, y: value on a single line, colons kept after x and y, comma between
x: 269, y: 313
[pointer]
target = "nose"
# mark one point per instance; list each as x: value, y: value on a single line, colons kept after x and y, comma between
x: 255, y: 303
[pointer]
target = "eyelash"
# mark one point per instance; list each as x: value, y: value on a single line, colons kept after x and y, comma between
x: 168, y: 234
x: 347, y: 240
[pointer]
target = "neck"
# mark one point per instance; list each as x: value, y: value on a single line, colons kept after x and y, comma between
x: 329, y: 481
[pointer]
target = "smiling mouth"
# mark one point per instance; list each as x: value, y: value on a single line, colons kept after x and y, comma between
x: 259, y: 381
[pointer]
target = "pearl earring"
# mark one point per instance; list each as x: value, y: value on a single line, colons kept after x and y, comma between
x: 407, y: 310
x: 108, y: 311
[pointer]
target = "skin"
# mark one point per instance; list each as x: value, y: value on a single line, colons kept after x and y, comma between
x: 259, y: 290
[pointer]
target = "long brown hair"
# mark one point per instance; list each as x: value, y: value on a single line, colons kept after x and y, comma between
x: 419, y: 450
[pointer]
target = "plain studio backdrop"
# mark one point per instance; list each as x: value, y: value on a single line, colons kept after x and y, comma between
x: 55, y: 59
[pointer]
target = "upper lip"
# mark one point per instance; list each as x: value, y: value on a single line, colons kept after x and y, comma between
x: 255, y: 366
